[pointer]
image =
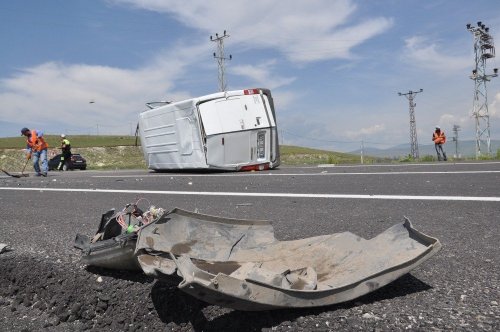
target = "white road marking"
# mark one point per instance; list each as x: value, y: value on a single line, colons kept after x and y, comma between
x: 260, y: 195
x: 406, y: 165
x: 289, y: 174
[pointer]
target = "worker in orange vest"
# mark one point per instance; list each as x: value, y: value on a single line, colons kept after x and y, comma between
x: 439, y: 139
x: 37, y: 149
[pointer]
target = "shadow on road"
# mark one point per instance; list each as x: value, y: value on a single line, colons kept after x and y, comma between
x: 172, y: 305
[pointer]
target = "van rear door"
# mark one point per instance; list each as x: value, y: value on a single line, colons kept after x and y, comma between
x: 230, y: 125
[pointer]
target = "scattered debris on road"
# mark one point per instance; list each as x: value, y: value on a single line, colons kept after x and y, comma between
x: 4, y: 248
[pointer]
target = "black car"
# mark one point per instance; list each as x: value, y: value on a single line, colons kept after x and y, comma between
x: 77, y: 162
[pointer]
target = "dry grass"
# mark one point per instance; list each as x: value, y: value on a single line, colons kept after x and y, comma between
x: 120, y: 152
x: 117, y: 157
x: 295, y: 155
x: 77, y: 141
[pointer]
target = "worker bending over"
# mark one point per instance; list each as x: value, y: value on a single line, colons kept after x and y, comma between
x: 37, y: 149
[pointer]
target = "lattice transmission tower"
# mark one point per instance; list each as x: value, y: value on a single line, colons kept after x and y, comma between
x: 410, y: 95
x: 484, y: 49
x: 220, y: 57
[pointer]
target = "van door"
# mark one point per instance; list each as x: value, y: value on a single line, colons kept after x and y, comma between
x: 231, y: 127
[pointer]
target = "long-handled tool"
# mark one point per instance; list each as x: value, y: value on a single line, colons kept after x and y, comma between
x: 18, y: 175
x: 24, y: 167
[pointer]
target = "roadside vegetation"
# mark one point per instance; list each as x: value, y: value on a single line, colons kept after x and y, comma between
x: 77, y: 141
x: 101, y: 152
x: 432, y: 158
x: 296, y: 155
x: 120, y: 152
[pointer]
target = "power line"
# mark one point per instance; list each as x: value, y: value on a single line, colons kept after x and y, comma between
x: 330, y: 141
x: 320, y: 140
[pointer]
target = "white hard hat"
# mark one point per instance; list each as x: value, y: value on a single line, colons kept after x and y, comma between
x: 438, y: 127
x: 63, y: 136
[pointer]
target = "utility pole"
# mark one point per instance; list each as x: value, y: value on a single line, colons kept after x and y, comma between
x: 484, y: 49
x: 362, y: 150
x: 410, y: 95
x: 219, y: 55
x: 456, y: 129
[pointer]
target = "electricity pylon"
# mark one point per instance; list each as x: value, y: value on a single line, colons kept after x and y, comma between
x: 219, y: 55
x: 484, y: 49
x: 410, y: 95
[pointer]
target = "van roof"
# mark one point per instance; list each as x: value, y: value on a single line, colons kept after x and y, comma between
x: 217, y: 95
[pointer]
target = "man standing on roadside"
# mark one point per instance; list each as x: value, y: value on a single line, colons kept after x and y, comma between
x: 66, y: 153
x: 37, y: 149
x: 439, y: 139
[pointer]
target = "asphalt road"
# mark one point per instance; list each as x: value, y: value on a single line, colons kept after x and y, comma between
x: 458, y: 289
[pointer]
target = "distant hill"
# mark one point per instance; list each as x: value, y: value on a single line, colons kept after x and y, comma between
x: 296, y: 155
x: 465, y: 148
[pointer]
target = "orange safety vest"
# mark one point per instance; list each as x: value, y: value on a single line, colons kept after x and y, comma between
x: 36, y: 143
x: 439, y: 138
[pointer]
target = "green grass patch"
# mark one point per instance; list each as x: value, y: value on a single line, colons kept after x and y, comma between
x: 120, y: 152
x: 296, y: 155
x: 113, y: 157
x: 77, y: 141
x: 98, y: 158
x: 101, y: 152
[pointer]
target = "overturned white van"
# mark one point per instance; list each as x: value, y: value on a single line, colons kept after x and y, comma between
x: 231, y: 130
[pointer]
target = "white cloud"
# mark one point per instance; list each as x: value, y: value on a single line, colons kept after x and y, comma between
x: 449, y: 120
x: 56, y: 92
x: 303, y: 31
x: 494, y: 108
x: 424, y: 54
x: 261, y: 75
x: 365, y: 132
x: 61, y: 93
x: 285, y: 99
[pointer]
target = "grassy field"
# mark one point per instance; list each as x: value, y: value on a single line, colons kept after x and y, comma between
x: 295, y: 155
x: 111, y: 157
x: 77, y: 141
x: 120, y: 152
x: 101, y: 152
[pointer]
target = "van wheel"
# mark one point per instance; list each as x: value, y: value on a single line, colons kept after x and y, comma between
x: 65, y: 167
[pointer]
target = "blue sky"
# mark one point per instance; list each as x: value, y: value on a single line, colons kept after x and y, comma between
x: 334, y: 66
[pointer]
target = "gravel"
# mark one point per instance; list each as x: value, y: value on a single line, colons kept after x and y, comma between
x: 37, y: 294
